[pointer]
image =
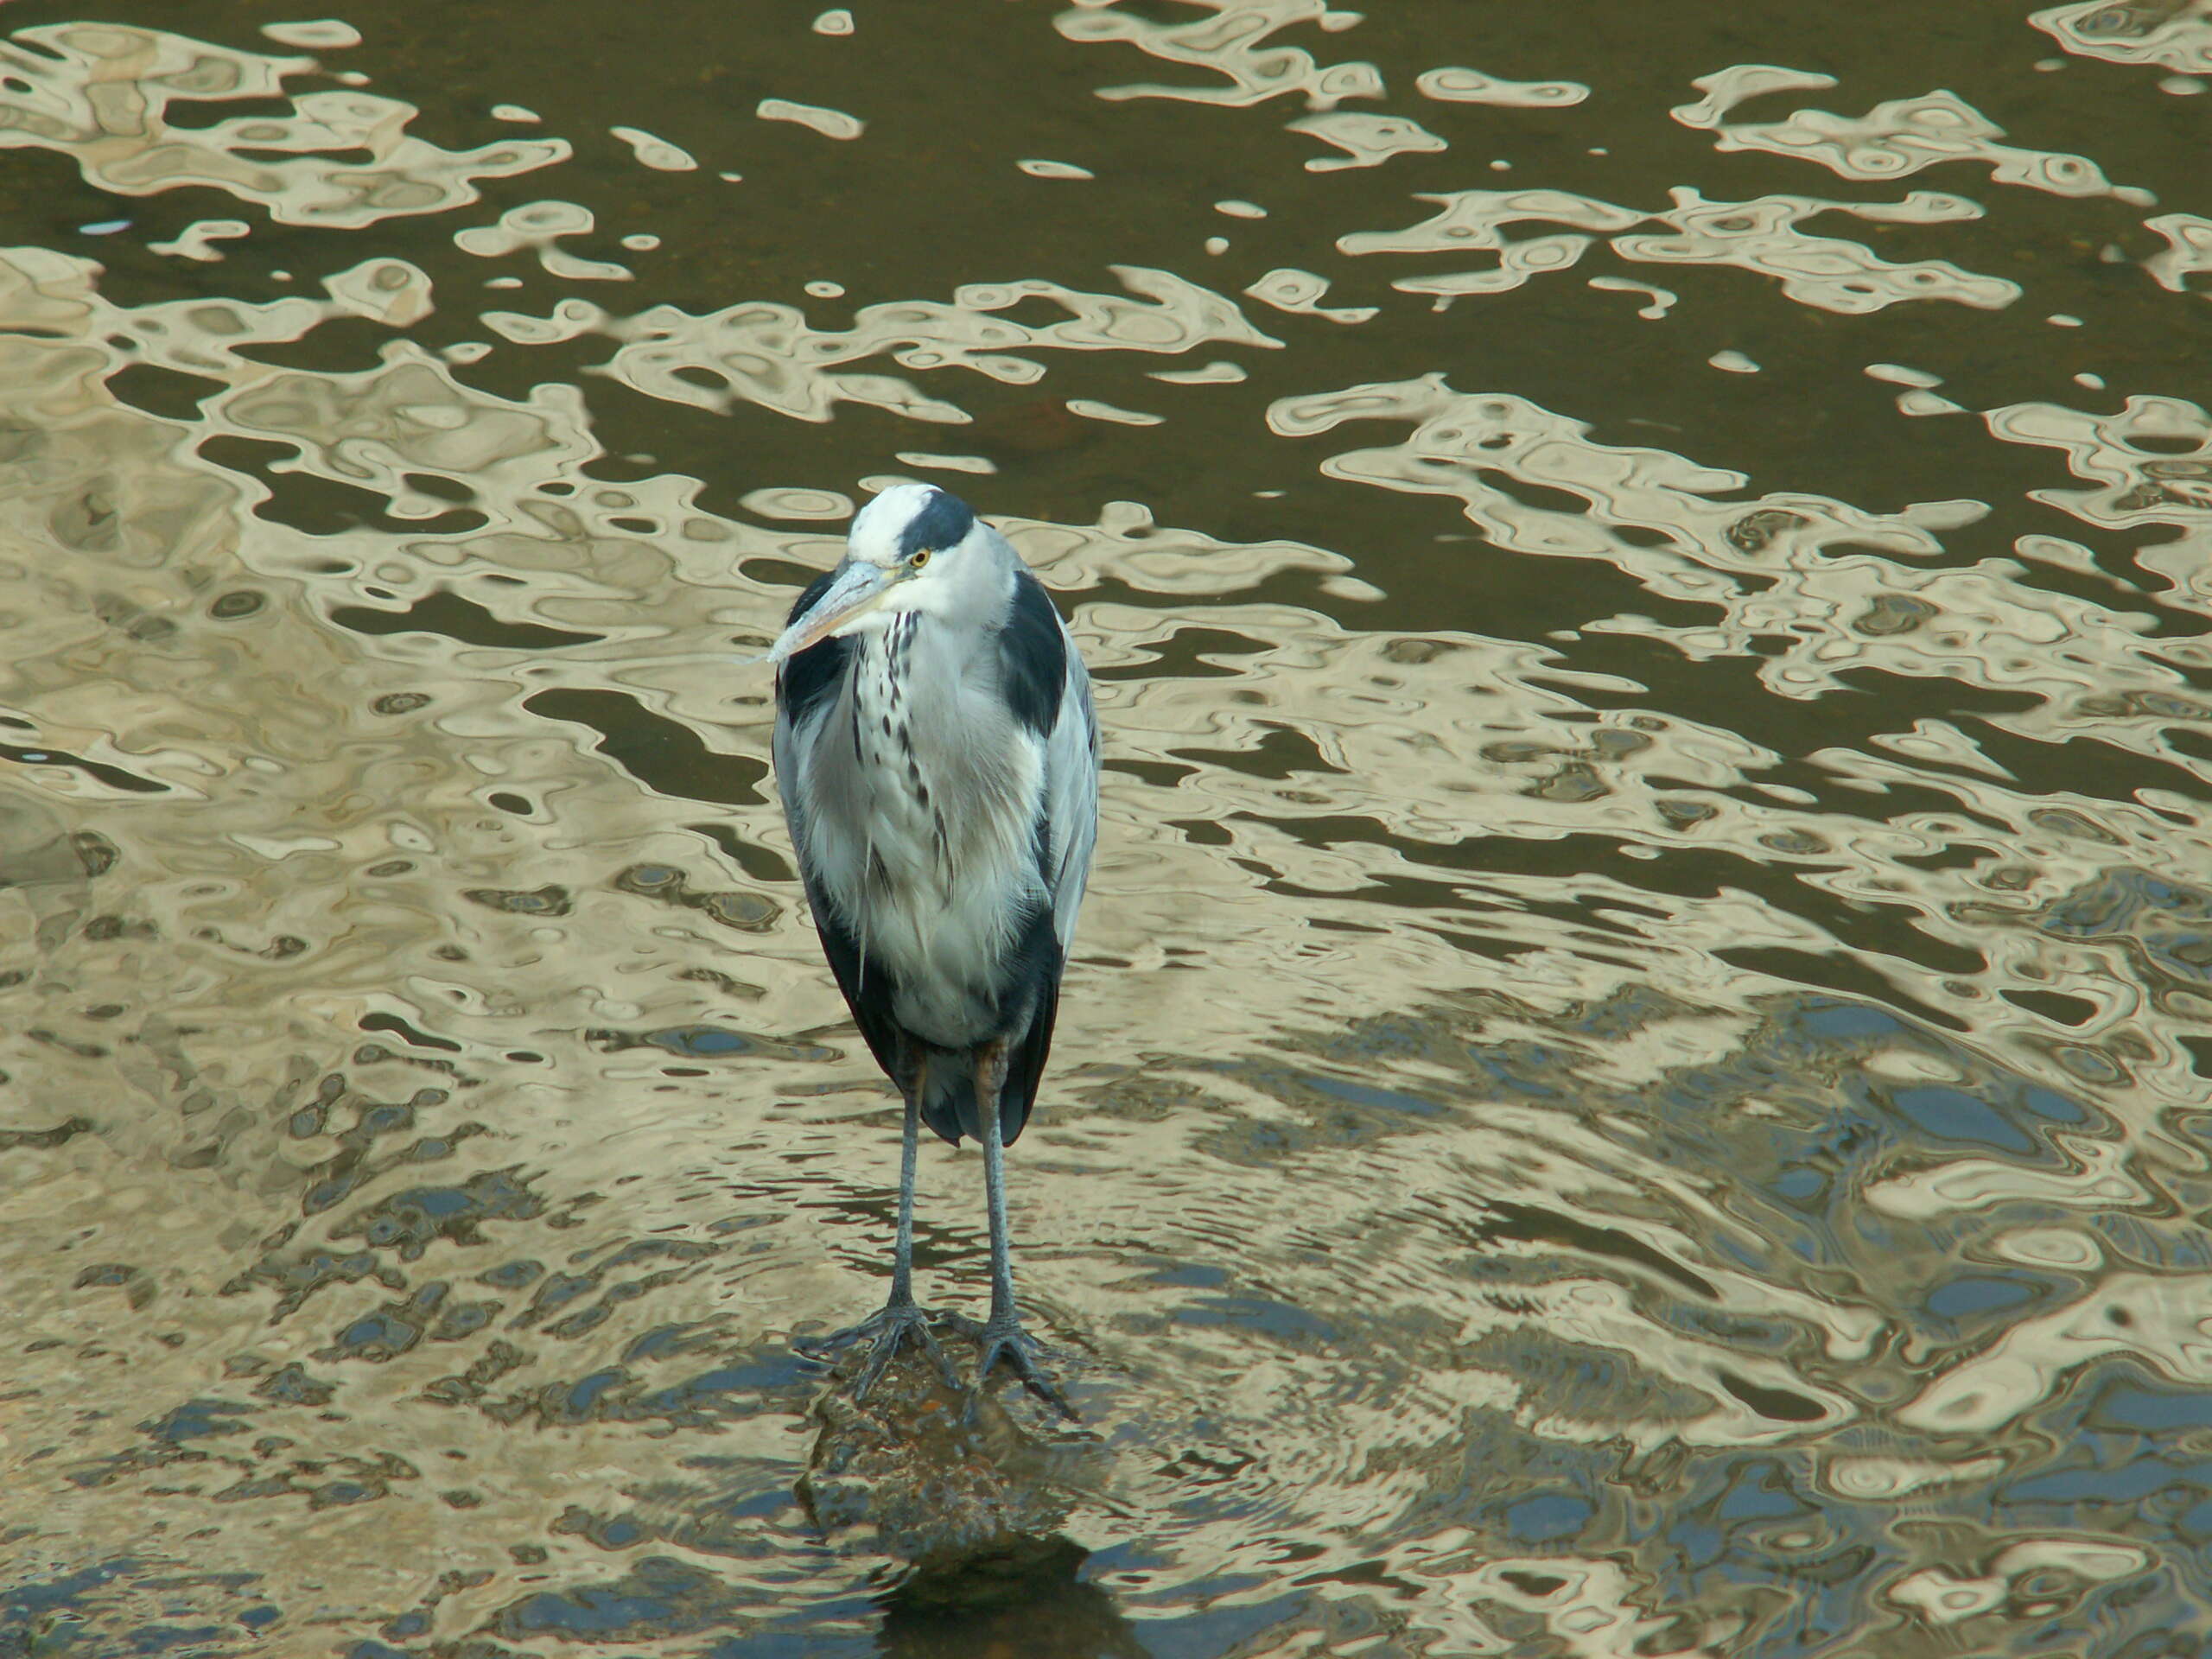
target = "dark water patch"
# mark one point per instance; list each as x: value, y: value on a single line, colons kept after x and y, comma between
x: 751, y: 913
x: 706, y: 1043
x: 464, y: 619
x: 393, y: 1023
x: 163, y: 391
x: 1781, y: 1405
x: 661, y: 1599
x: 1527, y: 1223
x: 99, y: 771
x: 549, y: 900
x: 174, y: 1438
x: 409, y: 1222
x: 657, y: 752
x: 41, y: 1139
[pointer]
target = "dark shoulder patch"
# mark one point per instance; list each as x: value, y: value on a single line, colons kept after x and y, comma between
x: 804, y: 680
x: 1033, y: 655
x: 945, y: 521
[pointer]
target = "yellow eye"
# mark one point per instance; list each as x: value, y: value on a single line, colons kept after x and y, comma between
x: 918, y: 560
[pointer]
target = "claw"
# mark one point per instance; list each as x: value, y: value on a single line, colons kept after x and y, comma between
x: 885, y: 1330
x: 1008, y: 1342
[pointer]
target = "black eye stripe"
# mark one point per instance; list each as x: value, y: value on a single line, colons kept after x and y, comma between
x: 940, y: 524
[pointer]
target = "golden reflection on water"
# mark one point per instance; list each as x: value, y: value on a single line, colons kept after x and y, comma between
x: 1632, y: 1080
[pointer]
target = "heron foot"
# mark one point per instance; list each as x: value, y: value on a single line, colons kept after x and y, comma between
x: 885, y: 1330
x: 1002, y: 1339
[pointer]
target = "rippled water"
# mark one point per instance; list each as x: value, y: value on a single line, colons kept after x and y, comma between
x: 1635, y: 1077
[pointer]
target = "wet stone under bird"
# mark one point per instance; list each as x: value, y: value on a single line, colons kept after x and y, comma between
x: 1633, y: 1079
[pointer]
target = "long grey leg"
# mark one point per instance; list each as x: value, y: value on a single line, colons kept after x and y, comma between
x: 901, y: 1319
x: 1003, y: 1337
x: 1004, y: 1315
x: 902, y: 1260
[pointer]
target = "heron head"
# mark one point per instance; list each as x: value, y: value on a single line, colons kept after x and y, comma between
x: 909, y: 549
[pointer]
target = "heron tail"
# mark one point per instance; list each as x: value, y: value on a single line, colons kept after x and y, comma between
x: 949, y: 1104
x: 948, y: 1075
x: 949, y: 1096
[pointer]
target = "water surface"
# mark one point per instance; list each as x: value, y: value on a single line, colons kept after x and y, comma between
x: 1635, y: 1077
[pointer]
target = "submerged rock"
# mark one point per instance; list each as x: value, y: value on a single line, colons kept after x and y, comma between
x: 920, y: 1473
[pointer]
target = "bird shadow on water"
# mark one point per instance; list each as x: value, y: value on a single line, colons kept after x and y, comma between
x: 1026, y: 1597
x: 970, y: 1494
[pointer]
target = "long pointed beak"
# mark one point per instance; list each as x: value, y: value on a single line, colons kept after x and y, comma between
x: 857, y: 589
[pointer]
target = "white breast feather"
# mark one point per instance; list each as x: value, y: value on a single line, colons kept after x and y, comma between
x: 957, y: 873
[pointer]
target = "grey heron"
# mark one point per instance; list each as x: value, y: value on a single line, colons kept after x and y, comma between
x: 938, y: 756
